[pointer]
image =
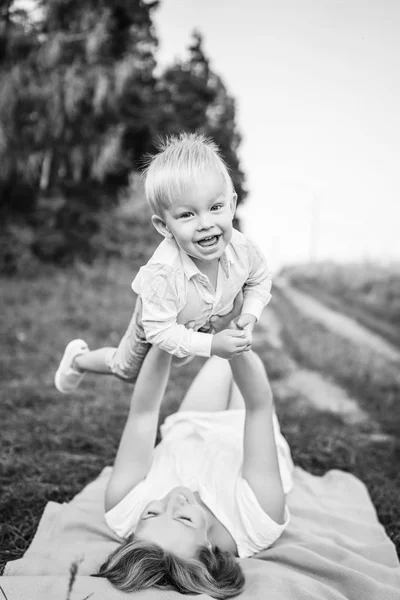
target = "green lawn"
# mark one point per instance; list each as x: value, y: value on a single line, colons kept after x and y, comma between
x: 52, y: 445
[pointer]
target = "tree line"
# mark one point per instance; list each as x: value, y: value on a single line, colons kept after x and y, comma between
x: 81, y: 103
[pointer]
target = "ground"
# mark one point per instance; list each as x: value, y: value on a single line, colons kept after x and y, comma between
x: 336, y: 389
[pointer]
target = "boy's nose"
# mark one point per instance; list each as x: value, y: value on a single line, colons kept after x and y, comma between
x: 205, y: 222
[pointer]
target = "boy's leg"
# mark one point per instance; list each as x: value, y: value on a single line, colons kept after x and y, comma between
x: 94, y: 361
x: 124, y: 362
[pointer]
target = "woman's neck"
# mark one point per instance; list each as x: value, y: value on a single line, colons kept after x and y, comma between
x: 217, y: 533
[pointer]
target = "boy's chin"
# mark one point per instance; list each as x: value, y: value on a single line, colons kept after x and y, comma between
x: 199, y: 258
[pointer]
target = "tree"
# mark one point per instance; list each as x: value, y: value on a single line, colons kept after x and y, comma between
x: 185, y: 91
x: 100, y: 56
x: 192, y: 97
x: 222, y: 127
x: 80, y: 105
x: 76, y: 112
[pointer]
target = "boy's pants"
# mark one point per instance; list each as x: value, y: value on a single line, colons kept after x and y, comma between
x: 128, y: 358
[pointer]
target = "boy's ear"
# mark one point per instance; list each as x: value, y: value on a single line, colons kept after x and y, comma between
x: 233, y: 203
x: 161, y: 226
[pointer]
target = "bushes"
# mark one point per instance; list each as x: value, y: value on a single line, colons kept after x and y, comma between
x: 82, y: 226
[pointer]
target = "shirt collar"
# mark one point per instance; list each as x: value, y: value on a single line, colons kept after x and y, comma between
x: 190, y: 269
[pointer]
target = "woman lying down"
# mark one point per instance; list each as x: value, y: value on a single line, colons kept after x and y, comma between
x: 212, y: 491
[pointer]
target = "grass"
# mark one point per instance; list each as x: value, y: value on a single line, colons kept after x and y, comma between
x: 371, y: 378
x: 52, y: 445
x: 373, y: 289
x: 319, y: 443
x: 350, y: 306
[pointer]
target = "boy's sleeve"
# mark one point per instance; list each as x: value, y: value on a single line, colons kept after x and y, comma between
x: 257, y: 289
x: 161, y: 296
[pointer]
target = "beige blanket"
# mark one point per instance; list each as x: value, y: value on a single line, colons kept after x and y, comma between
x: 334, y: 548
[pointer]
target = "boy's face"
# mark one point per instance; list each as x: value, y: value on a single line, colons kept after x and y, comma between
x: 201, y: 222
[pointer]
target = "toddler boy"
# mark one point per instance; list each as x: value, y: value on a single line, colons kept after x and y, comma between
x: 196, y: 272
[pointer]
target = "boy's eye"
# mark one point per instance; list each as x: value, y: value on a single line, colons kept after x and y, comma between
x: 185, y: 215
x: 186, y: 519
x: 216, y: 206
x: 151, y: 513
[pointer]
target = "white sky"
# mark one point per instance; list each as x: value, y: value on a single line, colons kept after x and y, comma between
x: 317, y: 84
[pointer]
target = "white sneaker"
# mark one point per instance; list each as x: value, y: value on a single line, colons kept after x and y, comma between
x: 67, y: 379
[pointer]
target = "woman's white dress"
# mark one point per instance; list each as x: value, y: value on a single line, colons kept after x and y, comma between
x: 204, y: 452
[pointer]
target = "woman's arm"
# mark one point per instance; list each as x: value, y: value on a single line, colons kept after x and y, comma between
x: 257, y: 289
x: 260, y: 460
x: 135, y: 451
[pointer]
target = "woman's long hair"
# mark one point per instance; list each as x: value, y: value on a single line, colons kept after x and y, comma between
x: 138, y: 564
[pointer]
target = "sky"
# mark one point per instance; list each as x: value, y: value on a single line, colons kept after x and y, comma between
x: 317, y: 85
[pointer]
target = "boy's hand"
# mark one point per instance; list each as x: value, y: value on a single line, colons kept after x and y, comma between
x: 230, y: 342
x: 245, y: 321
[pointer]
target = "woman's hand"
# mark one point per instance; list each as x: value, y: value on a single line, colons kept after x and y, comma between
x: 246, y: 322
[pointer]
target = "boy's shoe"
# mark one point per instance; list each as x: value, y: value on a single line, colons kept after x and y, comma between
x: 67, y: 379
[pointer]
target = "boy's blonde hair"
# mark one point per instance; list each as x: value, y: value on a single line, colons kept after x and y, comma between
x: 181, y: 161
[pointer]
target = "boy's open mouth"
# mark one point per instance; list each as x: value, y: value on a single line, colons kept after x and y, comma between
x: 211, y: 240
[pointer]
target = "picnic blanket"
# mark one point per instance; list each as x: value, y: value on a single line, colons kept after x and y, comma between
x: 333, y: 549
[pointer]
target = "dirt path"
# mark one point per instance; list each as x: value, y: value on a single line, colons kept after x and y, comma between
x: 309, y: 386
x: 349, y: 307
x: 339, y: 323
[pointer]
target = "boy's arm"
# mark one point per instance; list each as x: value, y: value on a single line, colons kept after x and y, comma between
x: 160, y: 307
x: 257, y: 288
x: 260, y: 460
x: 161, y: 304
x: 135, y: 451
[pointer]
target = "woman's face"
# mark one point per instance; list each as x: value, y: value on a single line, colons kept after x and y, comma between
x: 176, y: 522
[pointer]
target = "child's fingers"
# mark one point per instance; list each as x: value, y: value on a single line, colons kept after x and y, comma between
x: 247, y: 336
x: 243, y: 343
x: 242, y: 350
x: 237, y: 333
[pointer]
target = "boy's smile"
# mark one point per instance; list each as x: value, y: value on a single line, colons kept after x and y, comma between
x: 201, y: 221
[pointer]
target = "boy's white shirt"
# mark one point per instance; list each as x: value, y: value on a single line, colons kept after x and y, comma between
x: 174, y: 291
